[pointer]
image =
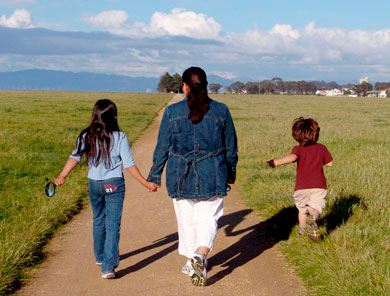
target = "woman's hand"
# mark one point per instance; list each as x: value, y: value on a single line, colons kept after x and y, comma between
x: 152, y: 187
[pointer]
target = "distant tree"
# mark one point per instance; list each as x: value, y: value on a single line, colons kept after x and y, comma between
x: 333, y: 85
x: 362, y: 88
x: 310, y: 88
x: 229, y: 89
x: 382, y: 85
x: 347, y: 92
x: 252, y: 87
x: 169, y: 83
x: 388, y: 93
x: 237, y: 87
x: 278, y: 84
x: 267, y: 87
x: 176, y: 83
x: 165, y: 84
x: 215, y: 87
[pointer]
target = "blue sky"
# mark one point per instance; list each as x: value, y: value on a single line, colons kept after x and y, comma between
x: 252, y: 40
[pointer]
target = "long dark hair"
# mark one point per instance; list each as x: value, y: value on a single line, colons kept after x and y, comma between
x: 197, y: 98
x: 95, y: 141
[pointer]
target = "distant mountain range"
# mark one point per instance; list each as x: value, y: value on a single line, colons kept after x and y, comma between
x: 69, y: 81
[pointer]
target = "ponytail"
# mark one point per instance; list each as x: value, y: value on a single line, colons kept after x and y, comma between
x: 197, y: 98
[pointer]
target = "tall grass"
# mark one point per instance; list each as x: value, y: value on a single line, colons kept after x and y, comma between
x: 38, y: 131
x: 353, y: 257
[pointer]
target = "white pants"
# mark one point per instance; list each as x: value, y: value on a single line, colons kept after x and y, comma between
x: 197, y: 223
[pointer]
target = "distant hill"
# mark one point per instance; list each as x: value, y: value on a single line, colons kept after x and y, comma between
x: 69, y: 81
x: 84, y: 81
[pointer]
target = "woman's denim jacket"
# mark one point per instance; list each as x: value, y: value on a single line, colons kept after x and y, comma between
x: 201, y: 157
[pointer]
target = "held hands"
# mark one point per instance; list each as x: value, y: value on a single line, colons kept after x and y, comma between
x: 152, y: 187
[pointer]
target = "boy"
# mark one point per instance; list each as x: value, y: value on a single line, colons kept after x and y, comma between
x: 310, y: 187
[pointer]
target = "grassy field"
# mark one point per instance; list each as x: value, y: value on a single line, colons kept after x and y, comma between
x: 353, y: 257
x: 38, y: 131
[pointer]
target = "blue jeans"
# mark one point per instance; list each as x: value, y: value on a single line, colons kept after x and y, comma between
x: 106, y: 198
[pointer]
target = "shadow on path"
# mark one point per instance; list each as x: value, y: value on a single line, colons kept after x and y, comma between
x: 257, y: 239
x: 158, y: 243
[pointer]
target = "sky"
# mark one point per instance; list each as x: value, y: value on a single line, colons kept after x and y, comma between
x: 247, y: 40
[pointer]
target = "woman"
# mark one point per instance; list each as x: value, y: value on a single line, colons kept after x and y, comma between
x: 198, y: 139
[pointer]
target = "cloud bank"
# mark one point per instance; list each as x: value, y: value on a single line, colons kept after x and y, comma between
x: 172, y: 41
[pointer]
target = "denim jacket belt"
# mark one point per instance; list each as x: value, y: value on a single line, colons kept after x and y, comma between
x: 193, y: 163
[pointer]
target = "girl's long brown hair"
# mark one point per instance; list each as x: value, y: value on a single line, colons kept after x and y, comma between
x: 197, y: 98
x: 95, y: 141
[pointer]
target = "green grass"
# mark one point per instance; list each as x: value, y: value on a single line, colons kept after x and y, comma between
x: 38, y: 130
x: 353, y: 257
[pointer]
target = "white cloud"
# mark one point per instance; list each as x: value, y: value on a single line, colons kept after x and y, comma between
x: 312, y: 45
x: 21, y: 18
x: 285, y: 31
x: 226, y: 75
x: 111, y: 19
x: 179, y: 22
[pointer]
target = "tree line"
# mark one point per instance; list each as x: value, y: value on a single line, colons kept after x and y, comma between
x: 172, y: 83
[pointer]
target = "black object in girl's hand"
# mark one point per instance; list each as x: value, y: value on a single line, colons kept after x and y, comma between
x: 50, y: 189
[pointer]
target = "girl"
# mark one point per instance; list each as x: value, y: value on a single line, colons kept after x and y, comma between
x: 106, y: 149
x: 198, y: 139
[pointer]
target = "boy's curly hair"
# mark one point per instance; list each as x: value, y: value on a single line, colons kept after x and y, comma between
x: 305, y: 131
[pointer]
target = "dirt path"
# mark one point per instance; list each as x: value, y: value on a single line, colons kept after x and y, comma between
x: 243, y: 261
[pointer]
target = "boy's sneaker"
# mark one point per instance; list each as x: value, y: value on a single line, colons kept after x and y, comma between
x: 108, y: 275
x: 313, y: 232
x: 199, y: 264
x: 302, y: 231
x: 312, y: 228
x: 187, y: 269
x: 99, y: 263
x: 310, y: 219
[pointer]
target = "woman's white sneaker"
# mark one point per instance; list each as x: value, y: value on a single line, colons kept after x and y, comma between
x: 187, y: 269
x: 199, y: 264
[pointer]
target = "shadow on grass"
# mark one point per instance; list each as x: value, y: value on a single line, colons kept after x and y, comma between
x: 341, y: 210
x: 256, y: 240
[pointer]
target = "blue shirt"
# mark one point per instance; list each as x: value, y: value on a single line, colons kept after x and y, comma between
x: 120, y: 153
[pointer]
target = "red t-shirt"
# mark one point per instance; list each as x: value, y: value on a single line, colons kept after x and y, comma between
x: 310, y: 173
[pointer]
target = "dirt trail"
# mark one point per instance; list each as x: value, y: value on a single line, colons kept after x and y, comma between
x: 243, y: 262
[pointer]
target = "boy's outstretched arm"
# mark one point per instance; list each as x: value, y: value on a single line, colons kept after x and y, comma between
x: 329, y: 164
x: 287, y: 159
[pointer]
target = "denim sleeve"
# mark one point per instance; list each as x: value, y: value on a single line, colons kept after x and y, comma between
x: 161, y: 151
x: 231, y: 145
